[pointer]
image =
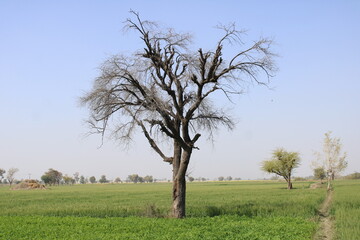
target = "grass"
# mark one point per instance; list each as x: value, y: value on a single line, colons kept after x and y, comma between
x: 346, y: 209
x: 218, y: 210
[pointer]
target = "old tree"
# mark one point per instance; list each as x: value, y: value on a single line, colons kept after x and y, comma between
x: 164, y: 90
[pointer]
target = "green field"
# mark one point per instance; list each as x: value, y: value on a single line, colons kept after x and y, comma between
x: 217, y: 210
x: 346, y: 210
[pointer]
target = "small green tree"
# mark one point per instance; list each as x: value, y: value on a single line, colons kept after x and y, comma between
x: 141, y: 180
x: 135, y: 178
x: 319, y: 173
x: 191, y: 179
x: 68, y: 180
x: 82, y: 179
x: 103, y: 179
x: 148, y: 179
x: 52, y: 176
x: 117, y: 180
x: 282, y: 164
x: 229, y: 178
x: 46, y: 179
x: 92, y: 179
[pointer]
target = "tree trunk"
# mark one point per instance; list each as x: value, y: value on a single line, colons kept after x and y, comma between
x: 288, y: 180
x: 180, y: 164
x: 289, y: 184
x: 329, y: 183
x: 332, y: 176
x: 179, y: 197
x: 329, y: 179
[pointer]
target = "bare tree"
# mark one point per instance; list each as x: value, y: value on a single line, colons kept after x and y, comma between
x: 10, y: 176
x: 76, y: 177
x: 332, y: 159
x: 165, y: 89
x: 282, y: 164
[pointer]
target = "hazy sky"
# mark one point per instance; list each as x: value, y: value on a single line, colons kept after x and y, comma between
x: 50, y: 51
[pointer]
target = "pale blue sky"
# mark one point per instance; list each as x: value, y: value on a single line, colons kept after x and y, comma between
x: 50, y: 51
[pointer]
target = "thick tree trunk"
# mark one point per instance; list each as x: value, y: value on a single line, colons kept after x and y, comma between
x: 179, y: 198
x: 180, y: 164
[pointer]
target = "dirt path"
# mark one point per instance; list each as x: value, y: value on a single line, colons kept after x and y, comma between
x: 326, y: 229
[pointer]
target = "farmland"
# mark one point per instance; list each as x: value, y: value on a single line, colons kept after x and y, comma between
x: 346, y: 209
x: 217, y: 210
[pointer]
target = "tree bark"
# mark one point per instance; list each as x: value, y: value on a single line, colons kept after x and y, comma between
x: 180, y: 164
x: 179, y: 198
x: 289, y: 185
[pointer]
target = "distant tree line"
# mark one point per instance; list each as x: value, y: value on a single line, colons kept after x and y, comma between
x: 135, y: 178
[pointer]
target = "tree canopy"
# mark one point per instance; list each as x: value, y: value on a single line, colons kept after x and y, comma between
x: 319, y: 173
x: 92, y: 179
x: 282, y: 164
x: 52, y: 177
x: 103, y: 179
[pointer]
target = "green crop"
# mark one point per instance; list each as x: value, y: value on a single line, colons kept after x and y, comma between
x: 218, y: 210
x: 346, y: 209
x: 222, y: 227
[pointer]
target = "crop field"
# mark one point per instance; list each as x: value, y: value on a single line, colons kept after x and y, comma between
x: 215, y: 210
x: 346, y: 209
